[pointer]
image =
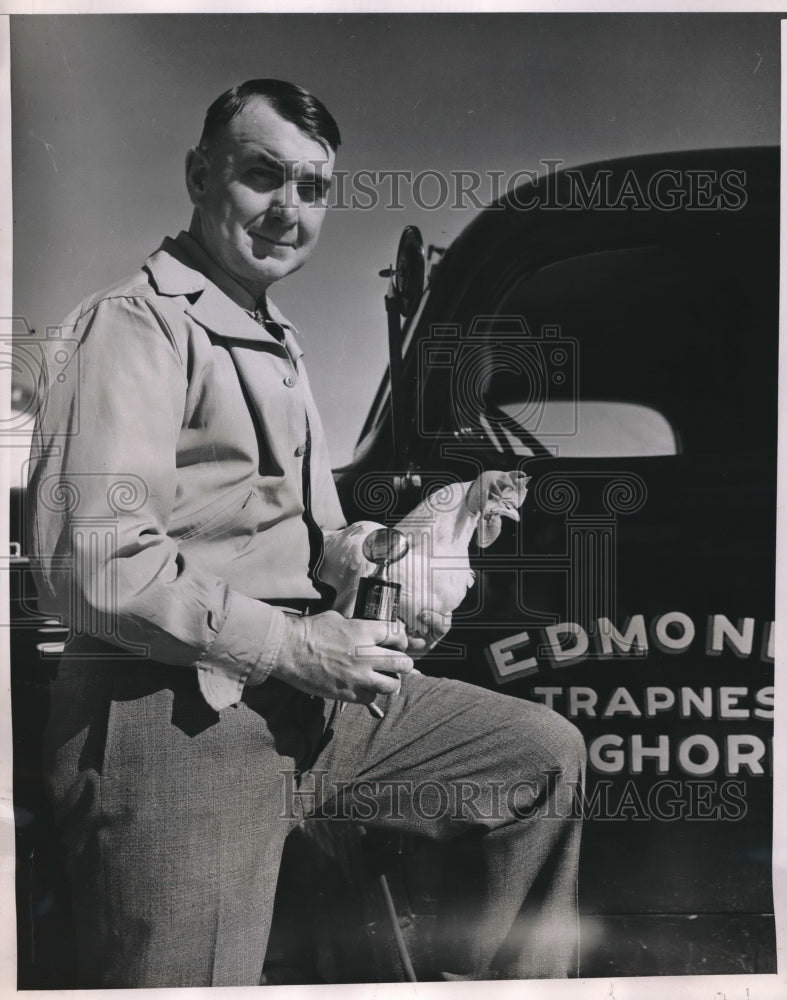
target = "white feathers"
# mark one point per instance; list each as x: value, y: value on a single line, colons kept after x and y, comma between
x: 435, y: 573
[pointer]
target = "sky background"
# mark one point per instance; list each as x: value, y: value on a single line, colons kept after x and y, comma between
x: 104, y: 108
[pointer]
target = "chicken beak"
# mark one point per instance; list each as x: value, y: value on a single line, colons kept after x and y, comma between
x: 506, y: 505
x: 496, y: 494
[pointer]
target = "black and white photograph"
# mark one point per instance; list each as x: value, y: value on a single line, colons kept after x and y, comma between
x: 391, y: 446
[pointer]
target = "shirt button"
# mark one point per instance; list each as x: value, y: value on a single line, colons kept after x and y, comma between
x: 289, y: 381
x: 300, y: 451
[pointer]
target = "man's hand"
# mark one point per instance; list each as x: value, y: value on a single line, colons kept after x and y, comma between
x: 431, y: 628
x: 343, y: 659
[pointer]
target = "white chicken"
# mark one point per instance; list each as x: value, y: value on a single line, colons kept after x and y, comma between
x: 435, y: 572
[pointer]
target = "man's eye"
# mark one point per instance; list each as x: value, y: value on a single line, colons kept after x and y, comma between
x: 263, y: 174
x: 310, y: 192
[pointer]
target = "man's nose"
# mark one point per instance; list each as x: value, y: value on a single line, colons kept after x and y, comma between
x: 284, y: 203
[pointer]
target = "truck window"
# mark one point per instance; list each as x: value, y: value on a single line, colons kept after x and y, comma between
x: 649, y: 350
x: 603, y: 429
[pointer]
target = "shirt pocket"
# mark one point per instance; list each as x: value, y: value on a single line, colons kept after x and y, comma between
x: 236, y: 514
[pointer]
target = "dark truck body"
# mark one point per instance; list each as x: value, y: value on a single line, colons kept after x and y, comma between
x: 617, y: 340
x: 556, y: 310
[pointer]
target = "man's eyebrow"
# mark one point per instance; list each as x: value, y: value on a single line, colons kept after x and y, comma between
x: 320, y: 180
x: 313, y: 168
x: 312, y: 171
x: 267, y: 158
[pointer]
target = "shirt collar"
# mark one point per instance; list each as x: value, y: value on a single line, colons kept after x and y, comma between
x: 182, y: 267
x: 198, y: 257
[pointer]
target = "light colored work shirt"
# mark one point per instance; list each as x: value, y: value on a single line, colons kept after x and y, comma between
x: 166, y: 495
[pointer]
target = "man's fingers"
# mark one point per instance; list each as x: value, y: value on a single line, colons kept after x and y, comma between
x: 386, y: 684
x: 380, y: 684
x: 365, y: 696
x: 391, y: 635
x: 392, y: 664
x: 380, y: 657
x: 435, y: 623
x: 417, y: 645
x: 344, y: 659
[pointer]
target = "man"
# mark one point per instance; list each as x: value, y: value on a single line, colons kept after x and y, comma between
x: 178, y: 500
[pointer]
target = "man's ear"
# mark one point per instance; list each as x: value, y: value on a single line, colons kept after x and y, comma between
x: 196, y: 174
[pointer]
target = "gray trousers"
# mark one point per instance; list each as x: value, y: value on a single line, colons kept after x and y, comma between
x: 174, y: 816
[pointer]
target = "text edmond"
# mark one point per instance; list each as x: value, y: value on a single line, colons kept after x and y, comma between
x: 568, y: 643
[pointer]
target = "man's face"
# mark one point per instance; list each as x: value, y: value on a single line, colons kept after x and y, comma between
x: 259, y: 192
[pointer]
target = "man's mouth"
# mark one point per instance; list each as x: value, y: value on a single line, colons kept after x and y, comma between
x: 273, y: 242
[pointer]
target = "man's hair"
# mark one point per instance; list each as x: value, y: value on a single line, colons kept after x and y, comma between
x: 288, y: 100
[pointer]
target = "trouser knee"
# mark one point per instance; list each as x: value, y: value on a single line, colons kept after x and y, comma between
x: 569, y: 746
x: 547, y: 756
x: 555, y: 741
